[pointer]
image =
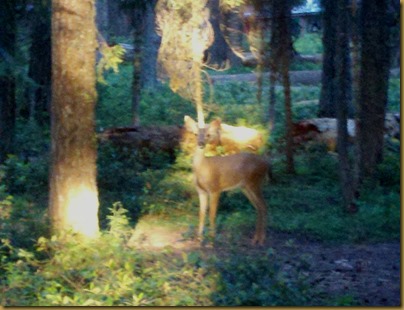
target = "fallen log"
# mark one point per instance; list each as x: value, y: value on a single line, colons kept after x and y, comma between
x: 324, y: 130
x: 169, y: 139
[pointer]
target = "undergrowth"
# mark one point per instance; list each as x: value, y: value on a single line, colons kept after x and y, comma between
x: 110, y: 271
x: 38, y: 269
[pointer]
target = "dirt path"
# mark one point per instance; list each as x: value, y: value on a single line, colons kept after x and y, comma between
x: 370, y: 272
x: 304, y: 77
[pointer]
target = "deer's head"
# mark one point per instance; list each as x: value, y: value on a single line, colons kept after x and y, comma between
x: 210, y: 134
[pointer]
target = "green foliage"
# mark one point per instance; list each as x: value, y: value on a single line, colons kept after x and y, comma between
x: 159, y: 106
x: 111, y: 57
x: 231, y: 5
x: 309, y: 43
x: 64, y: 271
x: 26, y: 177
x: 394, y: 92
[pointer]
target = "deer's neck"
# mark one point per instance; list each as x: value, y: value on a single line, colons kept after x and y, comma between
x: 199, y: 158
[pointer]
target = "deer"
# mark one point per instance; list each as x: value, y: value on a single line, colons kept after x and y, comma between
x: 216, y: 174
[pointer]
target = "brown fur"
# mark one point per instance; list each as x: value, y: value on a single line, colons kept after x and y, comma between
x: 213, y: 175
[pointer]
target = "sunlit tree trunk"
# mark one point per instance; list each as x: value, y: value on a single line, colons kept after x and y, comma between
x: 7, y: 79
x: 73, y: 202
x: 374, y: 76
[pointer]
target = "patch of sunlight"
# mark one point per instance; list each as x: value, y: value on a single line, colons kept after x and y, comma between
x: 154, y: 233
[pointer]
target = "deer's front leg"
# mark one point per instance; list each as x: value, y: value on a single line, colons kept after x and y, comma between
x: 203, y: 206
x: 214, y: 201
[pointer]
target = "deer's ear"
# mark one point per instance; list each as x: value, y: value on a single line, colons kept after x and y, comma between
x: 216, y: 123
x: 190, y: 124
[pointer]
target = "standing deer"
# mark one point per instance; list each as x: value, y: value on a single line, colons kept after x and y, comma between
x: 213, y: 175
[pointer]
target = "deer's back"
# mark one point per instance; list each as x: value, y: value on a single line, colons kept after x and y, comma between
x: 221, y: 173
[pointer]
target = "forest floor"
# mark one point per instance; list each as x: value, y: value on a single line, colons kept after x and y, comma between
x: 370, y: 273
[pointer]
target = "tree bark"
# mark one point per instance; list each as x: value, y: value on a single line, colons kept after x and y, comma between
x: 40, y: 66
x: 282, y: 19
x: 343, y: 99
x: 138, y: 30
x: 218, y: 51
x: 73, y: 201
x: 150, y: 47
x: 7, y: 79
x: 374, y: 76
x: 327, y: 103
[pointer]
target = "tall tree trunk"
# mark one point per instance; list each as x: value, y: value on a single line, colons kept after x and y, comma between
x: 343, y: 82
x: 273, y: 70
x: 73, y: 201
x: 138, y: 28
x: 7, y: 79
x: 118, y: 22
x: 102, y: 19
x: 219, y: 50
x: 327, y: 104
x: 150, y: 46
x: 40, y: 65
x: 282, y: 20
x: 374, y: 76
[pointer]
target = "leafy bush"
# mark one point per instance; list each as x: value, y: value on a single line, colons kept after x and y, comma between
x: 103, y: 272
x: 110, y: 271
x: 309, y: 43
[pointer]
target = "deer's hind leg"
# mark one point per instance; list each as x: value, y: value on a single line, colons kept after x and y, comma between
x: 256, y: 198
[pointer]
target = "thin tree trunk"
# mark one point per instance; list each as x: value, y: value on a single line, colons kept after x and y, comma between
x: 40, y: 66
x: 7, y: 81
x: 374, y: 76
x: 138, y: 25
x: 327, y: 104
x: 272, y: 99
x: 355, y: 87
x: 150, y: 46
x: 73, y: 201
x: 283, y: 20
x: 342, y: 97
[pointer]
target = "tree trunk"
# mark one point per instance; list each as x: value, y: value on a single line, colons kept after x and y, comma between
x: 343, y: 81
x: 73, y: 201
x: 118, y: 22
x: 150, y: 46
x: 282, y: 20
x: 327, y: 104
x: 138, y: 29
x: 40, y: 66
x: 102, y: 19
x: 374, y: 75
x: 219, y: 50
x: 7, y: 80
